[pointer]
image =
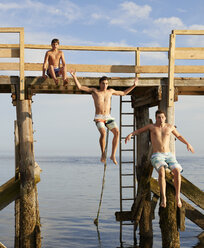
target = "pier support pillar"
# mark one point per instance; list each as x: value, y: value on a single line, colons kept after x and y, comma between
x: 17, y: 202
x: 144, y: 171
x: 29, y: 213
x: 168, y: 215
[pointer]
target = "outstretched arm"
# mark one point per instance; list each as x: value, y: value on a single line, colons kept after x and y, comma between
x: 181, y: 138
x: 79, y: 86
x: 128, y: 90
x: 136, y: 132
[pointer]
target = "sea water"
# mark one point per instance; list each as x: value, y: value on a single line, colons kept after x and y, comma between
x: 69, y: 193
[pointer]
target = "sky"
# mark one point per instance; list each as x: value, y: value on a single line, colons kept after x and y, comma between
x: 63, y: 124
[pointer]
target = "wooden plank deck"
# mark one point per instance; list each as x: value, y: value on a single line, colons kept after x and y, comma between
x: 37, y: 85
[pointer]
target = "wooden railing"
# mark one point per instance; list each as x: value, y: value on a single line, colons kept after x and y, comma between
x: 196, y: 53
x: 16, y: 52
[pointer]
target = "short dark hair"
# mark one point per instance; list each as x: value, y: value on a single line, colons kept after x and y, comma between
x: 55, y: 41
x: 160, y: 112
x: 103, y: 79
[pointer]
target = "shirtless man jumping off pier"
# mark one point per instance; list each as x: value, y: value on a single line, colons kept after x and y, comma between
x: 102, y: 102
x: 162, y: 158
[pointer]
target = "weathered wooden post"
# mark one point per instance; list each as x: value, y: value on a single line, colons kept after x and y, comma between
x: 29, y: 218
x: 17, y: 202
x: 168, y: 215
x: 144, y: 171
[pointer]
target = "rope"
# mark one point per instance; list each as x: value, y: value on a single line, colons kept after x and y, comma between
x: 103, y: 182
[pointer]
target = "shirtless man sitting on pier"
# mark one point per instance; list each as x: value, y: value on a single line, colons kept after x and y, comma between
x: 162, y: 157
x: 52, y: 59
x: 102, y: 102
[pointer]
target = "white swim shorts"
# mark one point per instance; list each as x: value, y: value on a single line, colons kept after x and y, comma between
x: 103, y: 121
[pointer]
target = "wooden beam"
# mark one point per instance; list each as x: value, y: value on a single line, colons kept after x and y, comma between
x: 171, y: 70
x: 192, y: 192
x: 10, y: 191
x: 11, y: 30
x: 151, y: 97
x: 26, y: 168
x: 189, y: 69
x: 21, y: 69
x: 184, y: 86
x: 189, y: 53
x: 9, y: 53
x: 137, y: 61
x: 188, y: 32
x: 191, y: 213
x: 197, y: 69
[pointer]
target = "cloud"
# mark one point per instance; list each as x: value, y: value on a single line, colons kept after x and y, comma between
x: 129, y: 13
x: 9, y: 6
x: 36, y: 13
x: 170, y: 23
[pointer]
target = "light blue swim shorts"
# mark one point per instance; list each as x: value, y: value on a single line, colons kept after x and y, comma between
x: 166, y: 159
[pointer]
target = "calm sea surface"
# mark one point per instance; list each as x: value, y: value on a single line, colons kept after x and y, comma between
x: 69, y: 194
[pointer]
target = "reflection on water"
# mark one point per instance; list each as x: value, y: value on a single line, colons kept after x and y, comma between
x: 69, y: 192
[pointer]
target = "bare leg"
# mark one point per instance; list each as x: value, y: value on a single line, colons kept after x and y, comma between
x: 63, y: 72
x: 102, y: 141
x: 177, y: 185
x: 52, y: 73
x: 162, y: 185
x: 115, y: 132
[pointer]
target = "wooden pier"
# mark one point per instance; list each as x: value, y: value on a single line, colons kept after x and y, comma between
x: 160, y: 91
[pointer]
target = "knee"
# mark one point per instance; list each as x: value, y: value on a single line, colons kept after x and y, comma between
x: 103, y: 132
x: 162, y: 172
x: 116, y: 132
x: 176, y: 172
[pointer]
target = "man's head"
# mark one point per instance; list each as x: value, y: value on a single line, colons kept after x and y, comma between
x: 55, y: 43
x: 160, y: 117
x: 103, y: 83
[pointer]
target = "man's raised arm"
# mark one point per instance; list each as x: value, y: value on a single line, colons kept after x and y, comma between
x: 128, y: 90
x: 79, y: 86
x: 181, y: 138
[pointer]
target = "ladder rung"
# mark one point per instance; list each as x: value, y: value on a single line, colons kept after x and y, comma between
x: 127, y: 162
x: 125, y: 137
x: 128, y: 199
x: 126, y: 101
x: 127, y: 174
x: 127, y: 125
x: 127, y: 187
x: 127, y: 224
x: 127, y: 150
x: 127, y: 113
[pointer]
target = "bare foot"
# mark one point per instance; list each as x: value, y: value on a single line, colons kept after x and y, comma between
x: 56, y: 81
x: 163, y: 202
x: 65, y: 82
x: 114, y: 160
x: 103, y: 158
x: 179, y: 203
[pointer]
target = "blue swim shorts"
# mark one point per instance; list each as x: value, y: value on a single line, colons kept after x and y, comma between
x: 57, y: 70
x: 166, y: 159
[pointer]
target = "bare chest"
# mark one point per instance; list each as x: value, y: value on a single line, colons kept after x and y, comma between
x: 54, y: 56
x: 161, y: 132
x: 103, y: 97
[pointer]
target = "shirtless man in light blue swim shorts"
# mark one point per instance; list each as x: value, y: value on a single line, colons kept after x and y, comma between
x: 102, y: 102
x: 162, y: 157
